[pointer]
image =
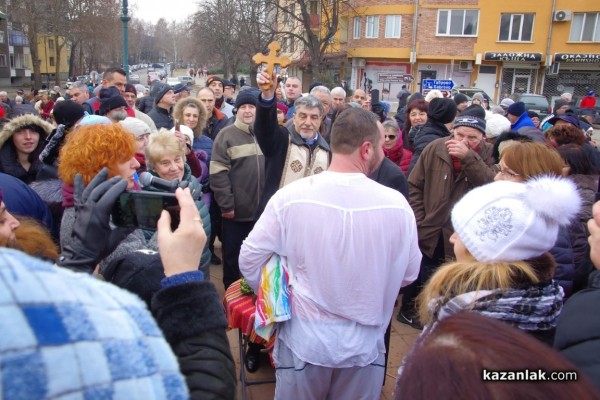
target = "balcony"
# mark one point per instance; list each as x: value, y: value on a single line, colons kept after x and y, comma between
x: 17, y: 38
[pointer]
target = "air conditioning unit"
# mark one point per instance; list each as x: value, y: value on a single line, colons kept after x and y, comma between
x: 465, y: 66
x: 562, y: 15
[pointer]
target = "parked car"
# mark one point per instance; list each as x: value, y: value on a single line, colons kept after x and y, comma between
x: 173, y: 81
x: 469, y: 92
x: 134, y: 78
x: 187, y: 80
x: 536, y: 103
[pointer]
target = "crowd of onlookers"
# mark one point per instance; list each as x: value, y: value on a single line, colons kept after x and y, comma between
x: 500, y: 200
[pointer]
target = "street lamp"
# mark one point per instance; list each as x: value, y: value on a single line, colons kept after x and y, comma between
x: 125, y: 18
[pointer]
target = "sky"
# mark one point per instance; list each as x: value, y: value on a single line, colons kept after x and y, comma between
x: 153, y: 10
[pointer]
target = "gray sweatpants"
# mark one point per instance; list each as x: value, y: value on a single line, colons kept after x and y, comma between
x: 299, y: 380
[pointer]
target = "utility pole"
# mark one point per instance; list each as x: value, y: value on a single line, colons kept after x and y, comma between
x: 125, y: 18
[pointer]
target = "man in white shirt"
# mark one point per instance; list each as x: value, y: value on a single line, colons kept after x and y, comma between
x: 350, y: 244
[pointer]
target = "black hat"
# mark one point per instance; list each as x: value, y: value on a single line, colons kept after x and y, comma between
x: 470, y: 121
x: 180, y: 87
x: 212, y: 79
x: 517, y: 109
x: 67, y: 113
x: 442, y: 110
x: 558, y: 104
x: 245, y: 97
x: 160, y: 90
x: 129, y: 88
x: 111, y: 103
x: 460, y: 98
x: 227, y: 83
x: 105, y: 93
x: 475, y: 110
x: 533, y: 114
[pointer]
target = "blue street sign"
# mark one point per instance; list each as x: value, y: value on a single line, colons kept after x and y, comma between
x: 439, y: 84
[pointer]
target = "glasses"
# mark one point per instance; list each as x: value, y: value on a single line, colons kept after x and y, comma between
x: 391, y: 137
x: 505, y: 172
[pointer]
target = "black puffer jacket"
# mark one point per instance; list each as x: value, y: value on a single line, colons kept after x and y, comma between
x: 578, y: 330
x: 565, y: 264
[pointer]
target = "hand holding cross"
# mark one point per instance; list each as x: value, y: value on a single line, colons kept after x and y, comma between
x: 267, y: 79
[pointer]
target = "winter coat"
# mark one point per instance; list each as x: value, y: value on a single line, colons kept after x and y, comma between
x: 215, y: 123
x: 434, y: 189
x: 524, y: 120
x: 565, y: 264
x: 162, y: 117
x: 237, y: 171
x: 577, y: 334
x: 145, y: 104
x: 204, y: 214
x: 587, y: 186
x: 277, y: 143
x: 429, y: 131
x: 390, y: 175
x: 9, y: 162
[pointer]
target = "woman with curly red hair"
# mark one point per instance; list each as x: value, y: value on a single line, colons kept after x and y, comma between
x: 87, y: 150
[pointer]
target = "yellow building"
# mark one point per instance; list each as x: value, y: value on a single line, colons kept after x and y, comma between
x: 502, y: 47
x: 47, y: 46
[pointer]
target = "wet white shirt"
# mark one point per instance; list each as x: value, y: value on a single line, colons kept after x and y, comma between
x: 350, y: 244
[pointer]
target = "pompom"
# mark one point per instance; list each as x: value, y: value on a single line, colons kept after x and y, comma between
x: 553, y: 198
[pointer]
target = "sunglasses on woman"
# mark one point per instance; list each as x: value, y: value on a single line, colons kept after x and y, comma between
x: 391, y: 137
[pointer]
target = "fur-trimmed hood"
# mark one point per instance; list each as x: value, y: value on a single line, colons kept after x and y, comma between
x: 21, y: 122
x: 202, y: 117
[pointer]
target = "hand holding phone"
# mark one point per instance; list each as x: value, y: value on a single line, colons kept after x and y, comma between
x: 180, y: 250
x: 142, y: 209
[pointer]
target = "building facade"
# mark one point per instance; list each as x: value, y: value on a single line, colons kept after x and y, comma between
x: 47, y: 54
x: 506, y: 47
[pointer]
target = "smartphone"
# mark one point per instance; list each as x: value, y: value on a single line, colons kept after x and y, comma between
x: 374, y: 96
x: 142, y: 209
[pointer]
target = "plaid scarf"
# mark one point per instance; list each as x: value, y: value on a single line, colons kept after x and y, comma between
x: 535, y: 308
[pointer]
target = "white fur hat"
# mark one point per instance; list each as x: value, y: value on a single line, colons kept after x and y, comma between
x: 509, y: 221
x: 433, y: 94
x: 495, y: 125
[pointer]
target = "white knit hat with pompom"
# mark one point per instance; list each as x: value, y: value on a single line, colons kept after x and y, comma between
x: 509, y: 221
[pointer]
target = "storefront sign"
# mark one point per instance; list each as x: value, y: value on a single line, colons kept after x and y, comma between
x: 509, y: 56
x: 390, y: 77
x: 577, y: 57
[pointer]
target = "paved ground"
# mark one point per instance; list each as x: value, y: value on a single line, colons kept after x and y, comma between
x: 401, y: 340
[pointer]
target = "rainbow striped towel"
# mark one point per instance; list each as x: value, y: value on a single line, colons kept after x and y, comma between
x: 273, y: 297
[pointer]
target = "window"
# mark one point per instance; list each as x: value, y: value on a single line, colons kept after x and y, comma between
x: 392, y: 26
x: 457, y: 22
x: 1, y: 36
x: 344, y: 30
x: 51, y: 59
x: 516, y: 27
x: 2, y: 60
x: 51, y: 44
x: 372, y: 27
x: 17, y: 38
x: 585, y: 27
x: 357, y: 22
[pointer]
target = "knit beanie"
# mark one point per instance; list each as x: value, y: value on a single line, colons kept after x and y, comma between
x: 160, y: 90
x: 180, y: 87
x: 282, y: 107
x: 478, y: 96
x: 67, y: 113
x: 558, y: 104
x: 470, y: 121
x: 495, y: 125
x: 129, y: 88
x: 110, y: 104
x: 245, y: 97
x: 510, y: 221
x: 135, y: 126
x: 517, y: 109
x: 442, y: 110
x: 460, y: 98
x: 474, y: 110
x: 507, y: 102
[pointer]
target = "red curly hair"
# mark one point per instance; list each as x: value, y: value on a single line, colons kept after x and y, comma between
x: 91, y: 147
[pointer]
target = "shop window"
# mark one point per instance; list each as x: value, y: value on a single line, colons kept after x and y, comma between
x: 585, y: 27
x: 372, y: 27
x: 392, y: 26
x: 357, y: 22
x: 457, y: 22
x: 516, y: 27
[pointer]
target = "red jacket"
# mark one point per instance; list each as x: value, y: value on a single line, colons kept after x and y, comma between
x: 588, y: 102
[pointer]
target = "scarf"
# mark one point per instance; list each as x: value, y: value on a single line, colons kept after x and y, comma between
x: 219, y: 103
x: 535, y: 308
x: 395, y: 153
x: 273, y: 297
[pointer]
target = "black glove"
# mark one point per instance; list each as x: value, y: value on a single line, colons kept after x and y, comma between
x: 92, y: 238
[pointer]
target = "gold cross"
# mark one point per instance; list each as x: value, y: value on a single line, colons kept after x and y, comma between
x: 270, y: 61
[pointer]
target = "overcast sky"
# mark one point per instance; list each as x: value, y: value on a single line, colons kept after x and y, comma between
x: 153, y: 10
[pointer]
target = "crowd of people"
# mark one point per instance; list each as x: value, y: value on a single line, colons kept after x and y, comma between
x: 479, y: 222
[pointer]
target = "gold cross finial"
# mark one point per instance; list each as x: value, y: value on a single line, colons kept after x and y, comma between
x: 270, y: 61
